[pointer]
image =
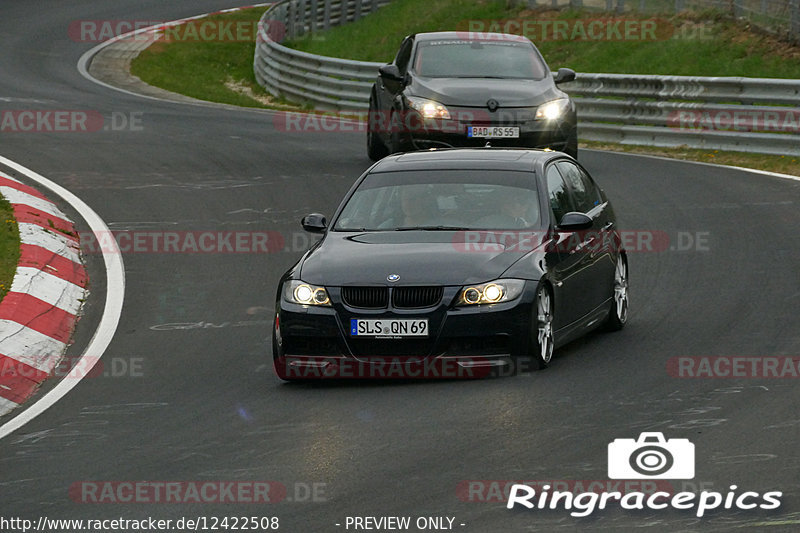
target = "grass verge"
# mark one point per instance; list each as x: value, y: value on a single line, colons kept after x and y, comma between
x: 208, y: 69
x: 689, y: 43
x: 706, y: 44
x: 9, y: 246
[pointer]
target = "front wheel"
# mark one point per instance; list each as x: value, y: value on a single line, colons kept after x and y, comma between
x: 545, y: 341
x: 396, y: 129
x: 618, y: 314
x: 376, y: 149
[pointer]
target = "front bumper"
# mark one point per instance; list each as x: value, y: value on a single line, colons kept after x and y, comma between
x: 315, y: 342
x: 417, y: 133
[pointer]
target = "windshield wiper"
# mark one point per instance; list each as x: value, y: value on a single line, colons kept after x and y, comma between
x: 432, y: 228
x: 477, y: 77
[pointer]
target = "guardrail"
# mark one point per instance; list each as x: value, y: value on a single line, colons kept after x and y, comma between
x: 740, y: 114
x: 328, y: 83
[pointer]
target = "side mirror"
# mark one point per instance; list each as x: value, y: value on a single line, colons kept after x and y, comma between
x: 314, y: 223
x: 390, y: 72
x: 574, y: 221
x: 564, y: 75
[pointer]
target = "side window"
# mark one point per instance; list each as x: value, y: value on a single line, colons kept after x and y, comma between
x: 557, y: 193
x: 404, y: 55
x: 586, y: 193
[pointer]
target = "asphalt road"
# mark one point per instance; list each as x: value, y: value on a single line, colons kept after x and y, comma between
x: 201, y: 403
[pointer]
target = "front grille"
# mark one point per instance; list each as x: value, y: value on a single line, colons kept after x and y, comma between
x: 416, y: 297
x: 366, y: 297
x: 502, y: 123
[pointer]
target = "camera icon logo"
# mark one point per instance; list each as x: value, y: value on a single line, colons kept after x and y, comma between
x: 651, y: 457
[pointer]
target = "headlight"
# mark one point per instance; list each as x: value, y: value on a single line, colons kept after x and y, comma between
x: 552, y: 110
x: 297, y: 292
x: 501, y: 290
x: 428, y: 108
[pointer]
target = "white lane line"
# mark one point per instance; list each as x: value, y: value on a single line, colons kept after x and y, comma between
x: 29, y: 346
x: 48, y: 288
x: 716, y: 165
x: 16, y: 196
x: 112, y: 310
x: 50, y: 240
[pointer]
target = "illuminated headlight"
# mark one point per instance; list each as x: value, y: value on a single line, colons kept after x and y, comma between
x: 501, y: 290
x: 552, y: 110
x: 428, y: 108
x: 297, y: 292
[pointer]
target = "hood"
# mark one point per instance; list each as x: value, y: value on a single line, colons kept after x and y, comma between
x: 418, y: 257
x: 474, y: 92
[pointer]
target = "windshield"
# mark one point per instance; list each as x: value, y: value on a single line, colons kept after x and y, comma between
x: 442, y: 200
x: 478, y: 59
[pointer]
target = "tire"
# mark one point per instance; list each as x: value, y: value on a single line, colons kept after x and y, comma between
x: 376, y: 150
x: 395, y: 126
x: 618, y: 314
x: 543, y: 340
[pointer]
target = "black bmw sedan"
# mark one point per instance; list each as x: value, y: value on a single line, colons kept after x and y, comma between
x: 446, y: 263
x: 448, y: 89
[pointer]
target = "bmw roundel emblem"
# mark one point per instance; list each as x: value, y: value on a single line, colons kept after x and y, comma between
x: 393, y: 277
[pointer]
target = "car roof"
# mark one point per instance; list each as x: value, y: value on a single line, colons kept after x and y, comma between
x: 519, y: 159
x: 469, y: 36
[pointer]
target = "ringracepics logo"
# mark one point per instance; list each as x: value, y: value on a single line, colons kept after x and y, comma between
x: 651, y: 456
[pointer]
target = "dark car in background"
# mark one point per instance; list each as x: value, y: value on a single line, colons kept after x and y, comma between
x: 450, y: 89
x: 473, y: 258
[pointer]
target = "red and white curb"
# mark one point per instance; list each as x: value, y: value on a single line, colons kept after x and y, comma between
x: 86, y: 58
x: 38, y: 314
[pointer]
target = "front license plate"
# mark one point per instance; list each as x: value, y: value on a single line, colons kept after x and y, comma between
x: 367, y: 327
x: 493, y: 132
